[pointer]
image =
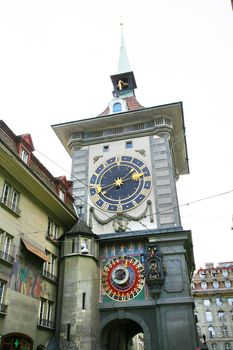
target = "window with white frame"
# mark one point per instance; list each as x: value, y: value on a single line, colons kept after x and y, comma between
x: 46, y: 313
x: 209, y: 317
x: 224, y: 273
x: 219, y: 302
x: 10, y: 198
x: 227, y: 346
x: 6, y: 245
x: 227, y: 284
x: 42, y: 310
x: 214, y: 346
x: 224, y: 331
x: 221, y: 315
x: 207, y: 302
x: 52, y: 229
x: 50, y: 266
x: 3, y: 306
x: 230, y: 301
x: 2, y: 291
x: 215, y: 284
x: 211, y: 332
x: 62, y: 195
x: 202, y: 275
x: 203, y: 285
x: 24, y: 155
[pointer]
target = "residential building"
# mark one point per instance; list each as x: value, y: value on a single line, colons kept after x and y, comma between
x: 212, y: 289
x: 32, y: 218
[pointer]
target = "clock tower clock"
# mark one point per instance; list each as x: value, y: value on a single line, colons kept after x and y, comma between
x: 125, y: 165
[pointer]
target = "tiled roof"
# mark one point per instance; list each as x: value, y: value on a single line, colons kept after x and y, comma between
x: 132, y: 104
x: 11, y: 141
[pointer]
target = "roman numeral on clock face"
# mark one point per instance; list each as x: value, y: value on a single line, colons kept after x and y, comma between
x: 95, y: 197
x: 105, y: 206
x: 145, y: 191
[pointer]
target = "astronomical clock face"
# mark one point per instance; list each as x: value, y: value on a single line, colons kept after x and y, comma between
x: 120, y: 184
x: 123, y: 278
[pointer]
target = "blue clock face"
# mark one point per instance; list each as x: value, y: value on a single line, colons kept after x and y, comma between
x: 120, y: 184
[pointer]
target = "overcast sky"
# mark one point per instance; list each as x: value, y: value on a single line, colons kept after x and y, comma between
x: 56, y: 58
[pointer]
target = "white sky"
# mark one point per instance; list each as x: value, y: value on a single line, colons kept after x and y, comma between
x: 56, y: 58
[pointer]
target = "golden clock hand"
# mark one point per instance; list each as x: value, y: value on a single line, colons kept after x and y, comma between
x: 136, y: 176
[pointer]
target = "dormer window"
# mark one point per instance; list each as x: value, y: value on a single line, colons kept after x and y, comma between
x: 203, y: 285
x: 224, y: 273
x: 117, y: 107
x: 24, y: 155
x: 215, y: 284
x: 62, y: 195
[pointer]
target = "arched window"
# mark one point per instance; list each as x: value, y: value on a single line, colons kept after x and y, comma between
x: 215, y: 284
x: 227, y: 346
x: 214, y: 346
x: 117, y: 107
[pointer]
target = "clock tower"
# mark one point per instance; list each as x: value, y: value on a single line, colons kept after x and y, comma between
x: 125, y: 165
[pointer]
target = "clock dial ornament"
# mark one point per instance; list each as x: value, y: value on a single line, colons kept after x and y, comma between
x: 123, y: 278
x: 120, y: 184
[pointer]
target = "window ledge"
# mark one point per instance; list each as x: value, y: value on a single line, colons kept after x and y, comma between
x: 7, y: 206
x: 49, y: 276
x: 52, y: 239
x: 46, y: 324
x: 3, y: 309
x: 6, y: 258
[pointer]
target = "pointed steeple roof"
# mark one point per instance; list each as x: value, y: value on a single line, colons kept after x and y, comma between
x: 123, y: 65
x: 124, y: 85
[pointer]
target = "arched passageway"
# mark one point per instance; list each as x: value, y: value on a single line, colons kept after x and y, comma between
x: 122, y: 334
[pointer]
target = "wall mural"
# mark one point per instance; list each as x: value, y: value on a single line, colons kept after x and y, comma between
x: 25, y: 279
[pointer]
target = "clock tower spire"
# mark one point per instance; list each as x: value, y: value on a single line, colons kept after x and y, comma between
x: 123, y: 81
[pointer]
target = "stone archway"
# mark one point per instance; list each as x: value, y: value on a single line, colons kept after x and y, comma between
x: 12, y: 341
x: 118, y: 333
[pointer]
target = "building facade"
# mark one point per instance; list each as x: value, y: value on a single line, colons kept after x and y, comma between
x: 35, y: 210
x: 212, y: 288
x: 125, y: 164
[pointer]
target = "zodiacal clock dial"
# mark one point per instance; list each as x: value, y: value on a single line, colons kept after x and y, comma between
x: 123, y: 278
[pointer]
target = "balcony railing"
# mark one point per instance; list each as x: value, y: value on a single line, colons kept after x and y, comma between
x: 43, y: 322
x: 50, y: 276
x: 6, y: 257
x: 10, y: 205
x: 3, y: 309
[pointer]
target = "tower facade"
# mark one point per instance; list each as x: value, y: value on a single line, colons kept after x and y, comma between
x: 125, y: 164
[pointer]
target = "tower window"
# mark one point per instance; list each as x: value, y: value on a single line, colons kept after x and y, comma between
x: 117, y: 107
x: 105, y: 148
x: 83, y: 301
x: 129, y: 144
